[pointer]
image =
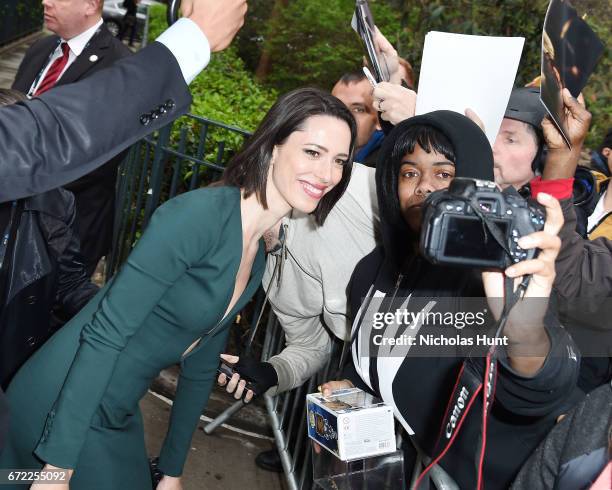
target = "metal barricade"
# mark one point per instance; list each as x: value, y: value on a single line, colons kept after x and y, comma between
x: 287, y: 411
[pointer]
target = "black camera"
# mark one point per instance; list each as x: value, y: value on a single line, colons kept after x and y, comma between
x: 473, y: 224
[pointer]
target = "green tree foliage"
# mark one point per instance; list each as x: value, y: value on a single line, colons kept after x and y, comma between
x: 311, y: 41
x: 19, y: 18
x: 225, y: 92
x: 510, y: 18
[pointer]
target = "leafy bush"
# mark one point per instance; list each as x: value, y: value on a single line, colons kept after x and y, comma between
x: 225, y: 91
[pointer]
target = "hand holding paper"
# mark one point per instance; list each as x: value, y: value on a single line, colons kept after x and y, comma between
x: 561, y: 160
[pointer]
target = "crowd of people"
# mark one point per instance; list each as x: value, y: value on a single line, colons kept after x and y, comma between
x: 323, y: 206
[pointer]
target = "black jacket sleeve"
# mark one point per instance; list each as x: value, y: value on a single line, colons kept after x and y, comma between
x: 74, y: 287
x: 584, y: 268
x: 552, y: 390
x: 68, y: 132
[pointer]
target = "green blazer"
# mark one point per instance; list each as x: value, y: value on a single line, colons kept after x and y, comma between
x: 173, y: 290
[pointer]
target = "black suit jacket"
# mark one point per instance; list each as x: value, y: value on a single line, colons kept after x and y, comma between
x: 94, y: 193
x: 66, y: 133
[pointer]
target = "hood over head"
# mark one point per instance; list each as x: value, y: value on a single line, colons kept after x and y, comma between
x: 473, y: 159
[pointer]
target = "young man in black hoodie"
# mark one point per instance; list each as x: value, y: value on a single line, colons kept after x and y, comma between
x: 424, y: 154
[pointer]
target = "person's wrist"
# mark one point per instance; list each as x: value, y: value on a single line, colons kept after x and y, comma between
x: 561, y: 163
x: 271, y: 375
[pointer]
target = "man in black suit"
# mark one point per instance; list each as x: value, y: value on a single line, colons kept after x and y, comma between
x: 80, y: 46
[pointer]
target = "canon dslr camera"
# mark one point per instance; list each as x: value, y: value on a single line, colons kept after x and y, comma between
x: 457, y: 224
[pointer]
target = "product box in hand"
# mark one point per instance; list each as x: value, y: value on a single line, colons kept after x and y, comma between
x: 350, y: 423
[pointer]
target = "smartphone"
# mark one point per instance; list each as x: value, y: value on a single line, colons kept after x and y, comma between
x: 364, y: 25
x: 228, y: 370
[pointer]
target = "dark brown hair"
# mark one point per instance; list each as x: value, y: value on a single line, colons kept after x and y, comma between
x: 9, y: 96
x: 248, y: 169
x: 409, y: 72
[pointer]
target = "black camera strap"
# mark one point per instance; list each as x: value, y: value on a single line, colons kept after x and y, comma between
x: 471, y: 381
x: 488, y: 224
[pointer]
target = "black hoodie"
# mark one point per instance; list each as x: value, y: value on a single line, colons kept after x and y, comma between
x: 418, y: 384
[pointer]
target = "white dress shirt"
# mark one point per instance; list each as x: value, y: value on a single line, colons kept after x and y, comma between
x: 77, y: 44
x: 597, y: 214
x: 189, y: 45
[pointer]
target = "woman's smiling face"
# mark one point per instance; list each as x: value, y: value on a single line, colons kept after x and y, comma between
x: 420, y: 174
x: 311, y: 161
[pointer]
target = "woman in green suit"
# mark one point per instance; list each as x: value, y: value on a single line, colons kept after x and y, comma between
x: 74, y: 404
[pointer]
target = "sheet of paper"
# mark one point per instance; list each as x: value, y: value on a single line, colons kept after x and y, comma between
x: 460, y: 71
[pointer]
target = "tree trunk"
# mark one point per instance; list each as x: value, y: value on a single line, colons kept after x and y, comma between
x: 265, y: 61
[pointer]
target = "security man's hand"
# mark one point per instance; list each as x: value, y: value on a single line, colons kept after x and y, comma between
x: 220, y: 20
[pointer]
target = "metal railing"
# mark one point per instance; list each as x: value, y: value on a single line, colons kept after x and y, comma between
x: 287, y: 411
x: 18, y: 18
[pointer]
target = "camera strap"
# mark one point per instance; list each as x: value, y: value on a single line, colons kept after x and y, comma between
x: 471, y: 381
x: 488, y: 224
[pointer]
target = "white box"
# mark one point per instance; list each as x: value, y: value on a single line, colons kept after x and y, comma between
x: 351, y: 424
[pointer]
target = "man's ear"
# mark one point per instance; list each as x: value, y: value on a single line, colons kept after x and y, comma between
x: 94, y: 7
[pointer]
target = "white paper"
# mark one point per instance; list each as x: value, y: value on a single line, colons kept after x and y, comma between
x: 460, y: 71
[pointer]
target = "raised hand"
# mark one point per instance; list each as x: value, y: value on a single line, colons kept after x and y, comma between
x: 561, y: 162
x: 220, y: 20
x: 394, y: 102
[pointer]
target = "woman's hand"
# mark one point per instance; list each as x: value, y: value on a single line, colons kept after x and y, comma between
x: 542, y: 268
x: 45, y: 485
x: 394, y: 102
x: 342, y: 384
x: 170, y: 483
x: 528, y: 341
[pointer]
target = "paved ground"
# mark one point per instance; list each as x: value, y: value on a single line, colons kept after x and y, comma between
x: 221, y: 461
